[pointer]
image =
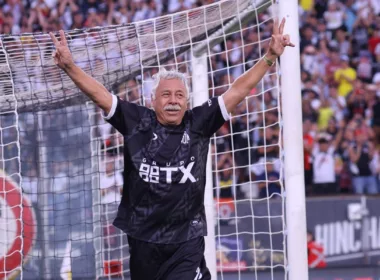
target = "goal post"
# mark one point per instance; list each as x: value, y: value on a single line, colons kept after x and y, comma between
x: 200, y: 95
x: 293, y: 145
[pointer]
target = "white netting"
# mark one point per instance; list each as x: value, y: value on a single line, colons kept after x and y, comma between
x: 72, y: 160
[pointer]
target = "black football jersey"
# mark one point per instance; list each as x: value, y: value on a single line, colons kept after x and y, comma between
x: 164, y: 171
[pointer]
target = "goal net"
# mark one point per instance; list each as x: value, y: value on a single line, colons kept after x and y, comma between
x: 62, y: 163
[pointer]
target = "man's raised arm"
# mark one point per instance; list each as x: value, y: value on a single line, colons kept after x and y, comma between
x: 88, y: 85
x: 246, y: 82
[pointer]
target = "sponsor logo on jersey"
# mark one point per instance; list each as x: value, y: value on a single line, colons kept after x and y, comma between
x: 155, y: 136
x: 185, y: 138
x: 151, y: 172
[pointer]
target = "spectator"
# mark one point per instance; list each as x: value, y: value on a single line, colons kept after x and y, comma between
x: 345, y: 77
x: 360, y: 35
x: 350, y: 16
x: 30, y: 186
x: 332, y: 65
x: 324, y: 164
x: 334, y: 16
x: 77, y: 21
x: 241, y: 139
x: 365, y: 68
x: 269, y: 181
x: 308, y: 111
x: 111, y: 183
x: 307, y: 5
x: 307, y: 37
x: 111, y: 186
x: 320, y: 6
x: 66, y: 10
x: 338, y: 103
x: 315, y: 253
x: 361, y: 154
x: 226, y: 182
x: 268, y: 145
x: 362, y: 8
x: 376, y: 64
x: 325, y: 113
x: 357, y: 104
x: 310, y: 62
x: 341, y: 43
x: 376, y: 121
x: 59, y: 201
x: 308, y: 141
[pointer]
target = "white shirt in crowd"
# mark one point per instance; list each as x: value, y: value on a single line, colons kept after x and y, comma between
x: 104, y: 129
x: 111, y: 184
x: 323, y: 166
x: 334, y: 19
x: 59, y: 183
x: 30, y: 188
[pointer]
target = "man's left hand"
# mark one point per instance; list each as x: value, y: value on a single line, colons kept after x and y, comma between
x: 278, y: 41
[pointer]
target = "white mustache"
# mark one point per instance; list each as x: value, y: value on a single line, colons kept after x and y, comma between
x: 172, y: 107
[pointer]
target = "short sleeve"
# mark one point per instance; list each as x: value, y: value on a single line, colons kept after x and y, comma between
x: 210, y: 116
x: 124, y: 116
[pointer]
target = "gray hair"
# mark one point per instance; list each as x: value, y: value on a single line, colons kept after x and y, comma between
x: 164, y: 74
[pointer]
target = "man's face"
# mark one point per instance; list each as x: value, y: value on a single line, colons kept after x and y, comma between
x: 345, y: 64
x: 306, y: 126
x: 110, y: 167
x: 78, y: 18
x: 324, y: 146
x: 335, y: 57
x: 269, y: 167
x: 309, y: 237
x: 170, y: 103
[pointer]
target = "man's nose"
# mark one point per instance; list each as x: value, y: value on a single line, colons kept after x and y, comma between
x: 173, y: 99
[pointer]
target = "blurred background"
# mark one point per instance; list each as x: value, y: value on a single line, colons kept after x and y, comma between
x: 340, y: 65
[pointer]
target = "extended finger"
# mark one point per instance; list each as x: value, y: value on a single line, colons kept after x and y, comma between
x: 290, y: 44
x: 286, y: 41
x: 282, y: 25
x: 275, y: 26
x: 63, y: 37
x: 54, y: 39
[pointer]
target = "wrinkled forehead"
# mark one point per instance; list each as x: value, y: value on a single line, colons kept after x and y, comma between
x: 173, y: 84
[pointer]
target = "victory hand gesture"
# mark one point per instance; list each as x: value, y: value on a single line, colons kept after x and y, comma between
x: 278, y: 41
x: 62, y: 55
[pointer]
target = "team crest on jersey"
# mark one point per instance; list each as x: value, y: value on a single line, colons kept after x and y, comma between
x: 185, y: 138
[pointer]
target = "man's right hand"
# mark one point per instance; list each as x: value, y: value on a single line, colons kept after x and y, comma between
x: 62, y: 55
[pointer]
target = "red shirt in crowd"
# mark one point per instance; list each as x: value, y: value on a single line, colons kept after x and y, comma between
x: 331, y: 67
x: 315, y: 255
x: 372, y: 43
x: 307, y: 141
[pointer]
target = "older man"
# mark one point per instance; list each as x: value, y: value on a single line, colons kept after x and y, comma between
x: 162, y: 209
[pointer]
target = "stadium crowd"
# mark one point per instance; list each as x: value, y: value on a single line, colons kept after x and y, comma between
x: 340, y: 63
